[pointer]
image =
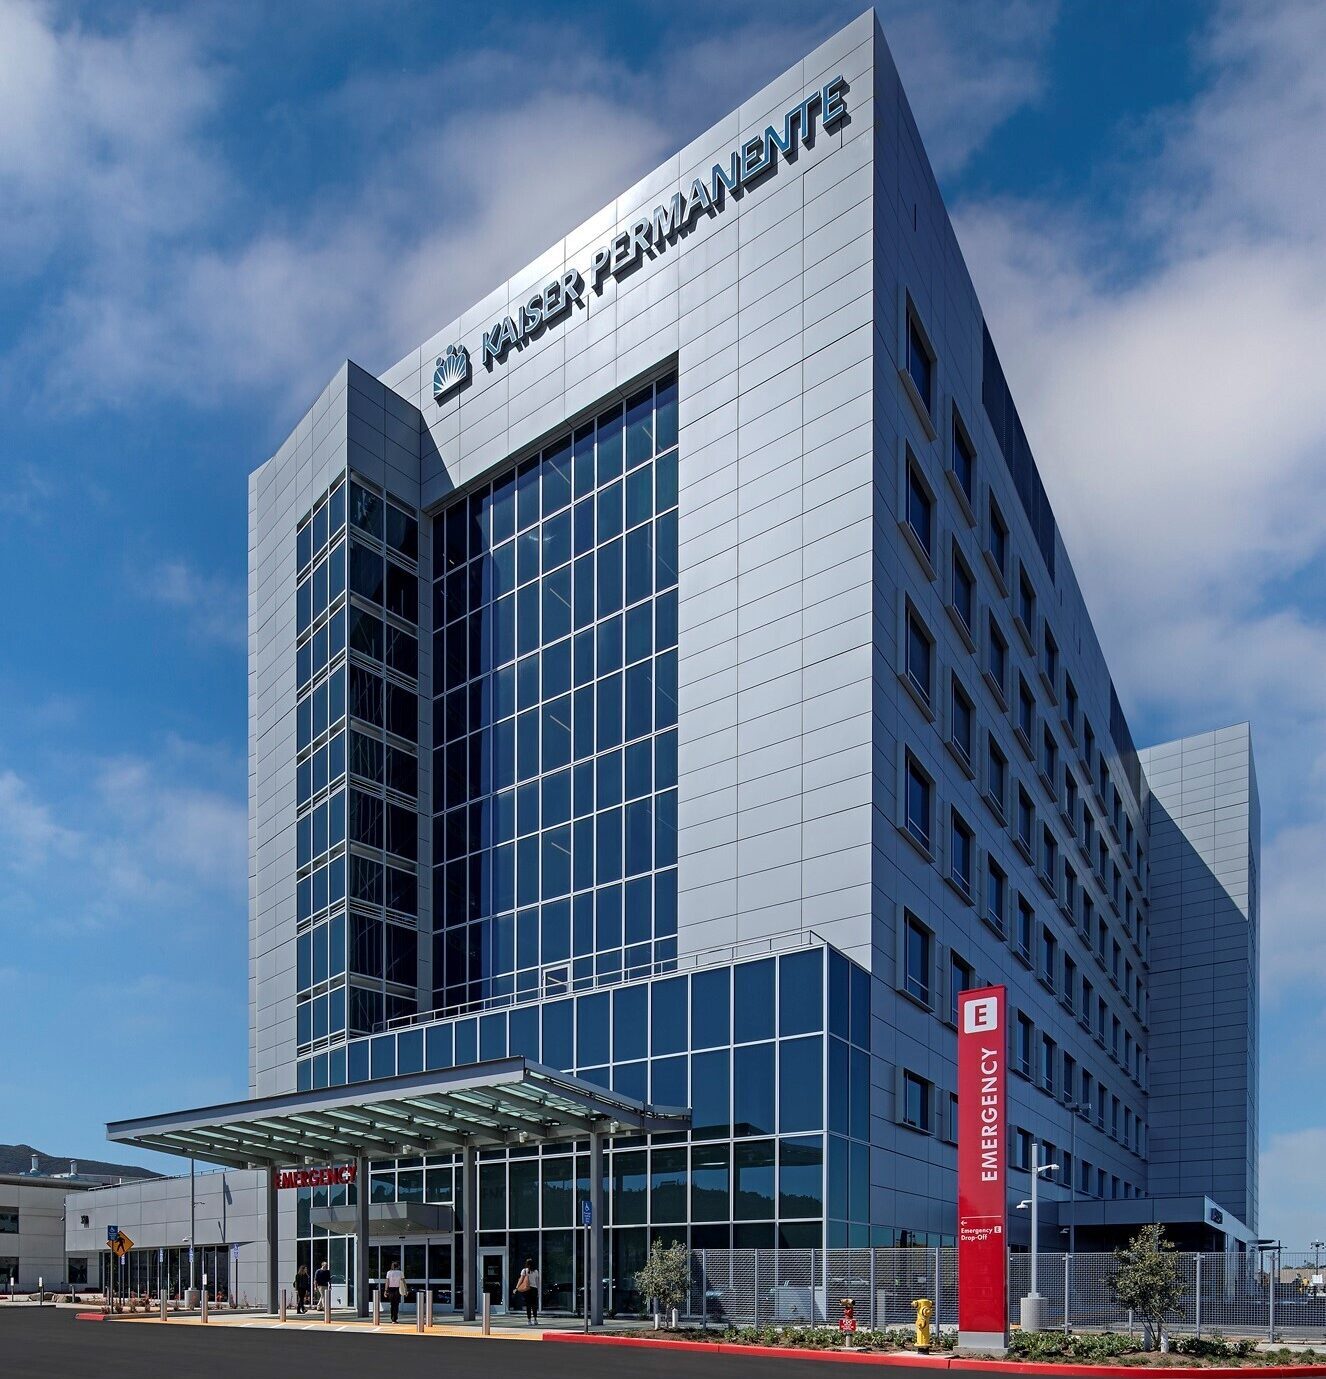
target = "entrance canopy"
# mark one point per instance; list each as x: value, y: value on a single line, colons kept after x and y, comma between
x: 501, y: 1102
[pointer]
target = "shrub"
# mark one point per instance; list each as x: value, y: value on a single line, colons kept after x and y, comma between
x: 666, y: 1276
x: 1146, y: 1279
x: 1054, y: 1345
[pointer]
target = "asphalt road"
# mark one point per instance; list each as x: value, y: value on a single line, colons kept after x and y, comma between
x: 50, y: 1344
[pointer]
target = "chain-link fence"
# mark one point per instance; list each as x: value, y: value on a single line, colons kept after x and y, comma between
x: 1257, y: 1294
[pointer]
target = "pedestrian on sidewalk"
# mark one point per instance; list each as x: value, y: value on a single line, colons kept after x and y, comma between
x: 302, y: 1288
x: 322, y: 1282
x: 395, y: 1282
x: 527, y: 1287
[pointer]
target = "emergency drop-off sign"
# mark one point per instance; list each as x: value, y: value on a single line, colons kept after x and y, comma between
x: 982, y: 1168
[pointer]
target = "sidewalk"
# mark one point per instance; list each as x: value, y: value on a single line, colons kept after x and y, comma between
x: 506, y: 1327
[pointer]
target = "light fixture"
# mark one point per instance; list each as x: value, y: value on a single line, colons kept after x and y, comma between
x: 523, y: 1137
x: 614, y: 1126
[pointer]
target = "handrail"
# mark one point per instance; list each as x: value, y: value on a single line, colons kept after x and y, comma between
x: 550, y: 986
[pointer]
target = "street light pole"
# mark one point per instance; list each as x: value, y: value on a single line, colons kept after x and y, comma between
x: 193, y: 1225
x: 1031, y: 1304
x: 1075, y: 1108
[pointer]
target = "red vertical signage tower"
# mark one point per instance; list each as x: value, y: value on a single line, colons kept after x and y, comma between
x: 982, y: 1169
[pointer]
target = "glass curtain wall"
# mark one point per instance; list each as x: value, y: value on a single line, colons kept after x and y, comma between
x: 555, y: 670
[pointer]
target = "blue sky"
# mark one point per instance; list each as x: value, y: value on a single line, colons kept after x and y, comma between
x: 208, y: 208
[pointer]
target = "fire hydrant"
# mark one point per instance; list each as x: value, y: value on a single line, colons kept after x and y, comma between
x: 847, y: 1322
x: 925, y: 1313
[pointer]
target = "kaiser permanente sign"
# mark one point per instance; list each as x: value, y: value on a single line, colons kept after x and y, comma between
x: 746, y: 165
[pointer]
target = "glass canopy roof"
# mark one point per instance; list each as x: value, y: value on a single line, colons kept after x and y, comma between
x: 482, y: 1105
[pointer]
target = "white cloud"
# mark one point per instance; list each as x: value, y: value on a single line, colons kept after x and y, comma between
x: 214, y: 607
x: 1293, y: 1209
x: 129, y: 845
x: 425, y: 211
x: 1177, y: 414
x: 98, y: 132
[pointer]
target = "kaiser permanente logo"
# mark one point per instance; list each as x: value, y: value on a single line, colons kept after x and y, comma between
x: 750, y: 163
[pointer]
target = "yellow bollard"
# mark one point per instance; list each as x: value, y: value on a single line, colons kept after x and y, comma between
x: 925, y: 1313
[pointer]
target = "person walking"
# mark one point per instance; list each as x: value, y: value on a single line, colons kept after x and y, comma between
x: 322, y: 1282
x: 527, y: 1287
x: 303, y: 1287
x: 395, y: 1282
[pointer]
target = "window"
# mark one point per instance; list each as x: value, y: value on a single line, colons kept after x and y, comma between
x: 916, y: 960
x: 9, y: 1222
x: 1048, y: 1052
x: 1049, y: 955
x: 918, y: 803
x: 961, y: 852
x: 1026, y: 713
x: 996, y: 657
x: 961, y: 977
x: 996, y: 894
x: 1049, y: 856
x: 920, y: 362
x: 1070, y: 798
x: 1026, y: 820
x: 1070, y: 703
x: 996, y: 774
x: 920, y: 656
x: 960, y: 720
x: 1070, y: 1077
x: 1027, y: 603
x: 1088, y: 745
x: 1022, y: 1039
x: 964, y: 459
x: 916, y: 1102
x: 1049, y: 757
x: 1021, y: 1156
x: 920, y: 510
x: 1026, y: 922
x: 964, y: 592
x: 997, y: 541
x: 1049, y: 658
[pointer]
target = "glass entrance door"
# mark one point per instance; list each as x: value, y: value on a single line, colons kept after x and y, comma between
x: 492, y: 1275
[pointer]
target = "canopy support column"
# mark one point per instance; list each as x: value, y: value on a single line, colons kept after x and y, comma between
x: 470, y: 1229
x: 273, y: 1244
x: 362, y: 1195
x: 594, y: 1282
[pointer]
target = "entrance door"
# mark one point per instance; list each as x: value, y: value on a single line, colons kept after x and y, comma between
x: 492, y: 1275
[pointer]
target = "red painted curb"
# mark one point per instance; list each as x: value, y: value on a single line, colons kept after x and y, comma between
x: 1047, y: 1367
x: 89, y: 1316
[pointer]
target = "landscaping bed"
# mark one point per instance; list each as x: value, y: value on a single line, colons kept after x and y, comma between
x: 1059, y: 1353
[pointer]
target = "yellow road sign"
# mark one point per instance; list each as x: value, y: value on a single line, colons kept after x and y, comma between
x: 121, y: 1245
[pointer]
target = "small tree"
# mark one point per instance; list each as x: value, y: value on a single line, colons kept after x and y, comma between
x: 666, y: 1276
x: 1146, y: 1281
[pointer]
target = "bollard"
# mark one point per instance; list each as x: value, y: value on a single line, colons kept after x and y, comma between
x: 487, y: 1314
x: 164, y: 1311
x: 326, y: 1304
x: 377, y: 1308
x: 203, y: 1304
x: 428, y: 1307
x: 418, y: 1313
x: 283, y: 1304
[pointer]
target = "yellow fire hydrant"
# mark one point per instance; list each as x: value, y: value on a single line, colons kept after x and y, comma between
x: 925, y: 1314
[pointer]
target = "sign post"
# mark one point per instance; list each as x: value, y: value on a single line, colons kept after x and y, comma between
x: 587, y: 1220
x: 982, y: 1170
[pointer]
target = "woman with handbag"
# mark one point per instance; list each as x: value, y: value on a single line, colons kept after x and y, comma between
x: 527, y: 1289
